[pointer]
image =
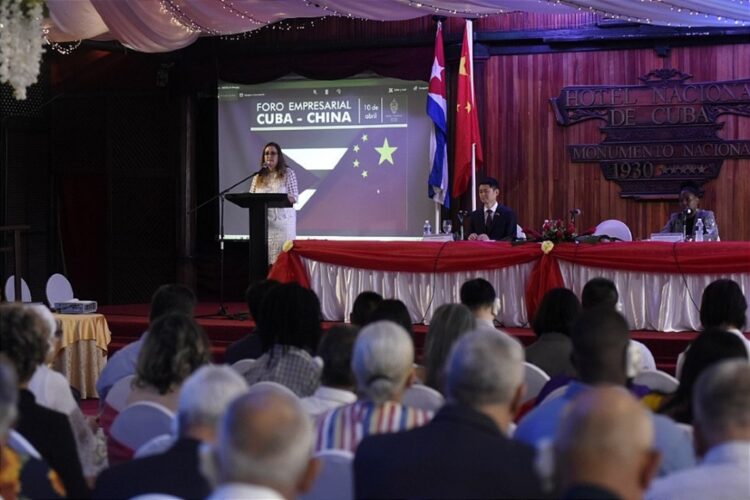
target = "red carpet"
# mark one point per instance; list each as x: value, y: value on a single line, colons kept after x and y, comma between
x: 128, y: 322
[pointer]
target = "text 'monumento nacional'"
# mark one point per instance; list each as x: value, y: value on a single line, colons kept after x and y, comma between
x: 658, y: 134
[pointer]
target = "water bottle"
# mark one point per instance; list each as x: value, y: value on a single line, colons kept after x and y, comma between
x: 698, y: 230
x: 427, y: 229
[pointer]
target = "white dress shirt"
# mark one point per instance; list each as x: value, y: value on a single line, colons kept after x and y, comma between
x: 723, y: 474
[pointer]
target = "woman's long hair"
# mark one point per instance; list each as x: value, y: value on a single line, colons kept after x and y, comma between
x: 279, y: 171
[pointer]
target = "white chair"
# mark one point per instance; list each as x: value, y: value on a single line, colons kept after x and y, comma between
x: 243, y: 365
x: 535, y: 378
x: 658, y: 381
x: 118, y: 394
x: 154, y: 446
x: 140, y: 422
x: 58, y: 289
x: 423, y: 397
x: 557, y: 393
x: 10, y: 292
x: 614, y: 229
x: 20, y: 444
x: 335, y: 481
x: 519, y: 232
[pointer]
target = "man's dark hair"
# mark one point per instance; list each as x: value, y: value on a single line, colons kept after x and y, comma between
x: 364, y: 305
x: 393, y: 310
x: 290, y: 316
x: 599, y: 292
x: 723, y: 304
x: 254, y: 296
x: 600, y: 342
x: 558, y: 311
x: 335, y: 349
x: 172, y: 298
x: 489, y: 181
x: 477, y: 293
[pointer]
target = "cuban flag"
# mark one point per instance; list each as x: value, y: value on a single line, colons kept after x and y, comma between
x: 436, y: 109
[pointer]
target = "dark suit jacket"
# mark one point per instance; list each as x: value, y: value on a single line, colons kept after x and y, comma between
x: 248, y: 347
x: 461, y: 453
x: 49, y: 431
x: 174, y: 472
x: 504, y: 222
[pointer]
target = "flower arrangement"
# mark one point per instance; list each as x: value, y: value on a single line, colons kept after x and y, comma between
x: 21, y: 43
x: 557, y: 230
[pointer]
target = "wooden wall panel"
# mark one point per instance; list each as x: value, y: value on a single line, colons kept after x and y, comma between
x: 526, y: 149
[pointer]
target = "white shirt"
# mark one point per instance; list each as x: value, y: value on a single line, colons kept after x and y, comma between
x: 244, y: 491
x: 327, y: 398
x: 724, y: 473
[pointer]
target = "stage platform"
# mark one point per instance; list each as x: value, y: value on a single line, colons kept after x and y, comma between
x: 127, y: 322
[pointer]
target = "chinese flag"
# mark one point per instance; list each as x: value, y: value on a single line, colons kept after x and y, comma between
x: 467, y: 122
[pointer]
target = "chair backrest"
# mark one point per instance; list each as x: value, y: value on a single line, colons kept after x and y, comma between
x: 335, y: 481
x: 154, y: 446
x: 59, y: 289
x: 657, y: 380
x: 20, y: 444
x: 275, y: 385
x: 10, y: 292
x: 557, y: 393
x: 423, y: 397
x: 615, y: 229
x: 140, y: 422
x: 535, y: 378
x: 118, y: 394
x: 243, y: 365
x: 519, y: 232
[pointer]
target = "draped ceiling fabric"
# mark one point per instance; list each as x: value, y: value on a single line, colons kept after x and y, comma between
x: 166, y: 25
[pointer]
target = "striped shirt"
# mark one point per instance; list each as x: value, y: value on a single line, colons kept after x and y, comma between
x: 344, y: 427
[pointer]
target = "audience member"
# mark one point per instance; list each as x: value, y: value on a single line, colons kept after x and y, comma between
x: 723, y: 306
x: 604, y: 446
x: 264, y: 448
x: 711, y: 346
x: 721, y: 406
x: 382, y: 362
x: 21, y: 475
x: 290, y: 329
x: 463, y: 452
x: 393, y: 310
x: 337, y: 382
x: 167, y: 298
x: 479, y: 296
x: 24, y: 341
x: 175, y: 347
x: 600, y: 350
x: 364, y: 305
x: 51, y: 390
x: 552, y: 323
x: 601, y: 292
x: 204, y: 398
x: 449, y: 322
x: 250, y: 346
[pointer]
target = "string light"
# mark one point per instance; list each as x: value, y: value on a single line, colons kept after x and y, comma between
x: 182, y: 19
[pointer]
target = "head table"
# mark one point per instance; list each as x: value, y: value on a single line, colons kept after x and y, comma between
x: 660, y: 283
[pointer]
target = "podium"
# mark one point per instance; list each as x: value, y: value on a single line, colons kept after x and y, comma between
x: 258, y: 204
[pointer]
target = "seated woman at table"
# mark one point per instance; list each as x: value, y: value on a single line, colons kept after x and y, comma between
x: 684, y: 220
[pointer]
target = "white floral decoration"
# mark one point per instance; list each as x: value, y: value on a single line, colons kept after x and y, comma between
x: 21, y: 44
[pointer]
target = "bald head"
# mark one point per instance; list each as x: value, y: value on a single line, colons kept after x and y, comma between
x: 605, y: 438
x: 265, y: 439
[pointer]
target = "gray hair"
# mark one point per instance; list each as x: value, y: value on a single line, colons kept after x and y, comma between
x: 382, y: 360
x: 50, y: 324
x: 721, y: 397
x: 8, y: 396
x: 206, y: 394
x: 485, y: 367
x: 266, y: 438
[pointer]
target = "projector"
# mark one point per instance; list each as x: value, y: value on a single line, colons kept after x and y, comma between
x: 76, y: 306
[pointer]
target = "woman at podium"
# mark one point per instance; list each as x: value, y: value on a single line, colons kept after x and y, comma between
x: 276, y: 177
x: 684, y: 220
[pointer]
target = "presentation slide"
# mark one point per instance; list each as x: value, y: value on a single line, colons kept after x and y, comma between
x: 359, y: 148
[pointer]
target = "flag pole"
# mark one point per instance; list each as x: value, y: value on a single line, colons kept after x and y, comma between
x: 470, y: 27
x: 473, y: 176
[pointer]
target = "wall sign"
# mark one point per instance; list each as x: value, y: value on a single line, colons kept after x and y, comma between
x: 658, y: 134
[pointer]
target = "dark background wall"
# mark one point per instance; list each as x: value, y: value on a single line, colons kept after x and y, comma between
x: 114, y: 147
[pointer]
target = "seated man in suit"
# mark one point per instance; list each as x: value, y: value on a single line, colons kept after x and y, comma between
x: 464, y: 452
x: 493, y: 221
x: 204, y: 398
